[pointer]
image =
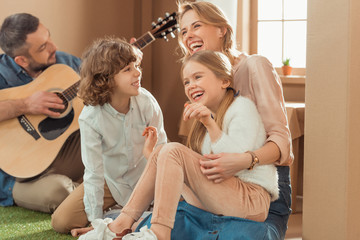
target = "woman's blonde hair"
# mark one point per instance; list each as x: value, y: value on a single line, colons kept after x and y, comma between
x: 220, y: 65
x: 101, y: 62
x: 212, y: 15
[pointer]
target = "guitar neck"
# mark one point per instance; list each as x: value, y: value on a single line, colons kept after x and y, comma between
x: 144, y: 40
x: 71, y: 92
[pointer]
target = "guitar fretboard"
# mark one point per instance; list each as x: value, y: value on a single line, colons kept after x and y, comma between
x: 144, y: 40
x: 71, y: 92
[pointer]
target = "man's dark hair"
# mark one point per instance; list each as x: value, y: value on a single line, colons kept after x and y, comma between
x: 14, y: 31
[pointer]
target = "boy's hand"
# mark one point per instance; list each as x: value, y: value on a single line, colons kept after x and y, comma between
x: 151, y: 139
x: 76, y: 232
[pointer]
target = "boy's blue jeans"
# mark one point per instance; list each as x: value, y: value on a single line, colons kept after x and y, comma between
x: 196, y: 224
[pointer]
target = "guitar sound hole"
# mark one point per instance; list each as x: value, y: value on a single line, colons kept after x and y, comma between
x: 51, y: 128
x: 61, y: 96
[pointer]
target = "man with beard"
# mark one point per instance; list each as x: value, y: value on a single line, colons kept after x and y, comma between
x: 29, y: 50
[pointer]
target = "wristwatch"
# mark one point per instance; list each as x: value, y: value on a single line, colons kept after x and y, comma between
x: 254, y: 160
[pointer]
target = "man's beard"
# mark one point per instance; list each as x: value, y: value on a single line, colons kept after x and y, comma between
x: 37, y: 67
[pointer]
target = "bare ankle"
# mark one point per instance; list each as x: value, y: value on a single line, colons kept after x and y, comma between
x: 121, y: 223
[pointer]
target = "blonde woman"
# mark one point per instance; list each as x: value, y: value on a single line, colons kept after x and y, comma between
x: 205, y: 27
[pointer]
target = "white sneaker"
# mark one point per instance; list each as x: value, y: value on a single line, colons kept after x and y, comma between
x: 100, y: 231
x: 144, y: 234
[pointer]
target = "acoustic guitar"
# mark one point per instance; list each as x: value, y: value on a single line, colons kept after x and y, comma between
x: 30, y: 143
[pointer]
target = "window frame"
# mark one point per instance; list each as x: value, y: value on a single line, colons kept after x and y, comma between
x: 254, y: 39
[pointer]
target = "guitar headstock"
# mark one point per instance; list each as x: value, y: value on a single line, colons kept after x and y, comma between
x: 165, y: 26
x: 161, y: 29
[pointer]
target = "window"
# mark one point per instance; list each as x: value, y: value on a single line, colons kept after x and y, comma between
x: 281, y: 31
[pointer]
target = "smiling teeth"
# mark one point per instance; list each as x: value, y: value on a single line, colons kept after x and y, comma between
x: 196, y: 95
x: 195, y: 45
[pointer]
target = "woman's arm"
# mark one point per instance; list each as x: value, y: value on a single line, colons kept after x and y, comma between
x: 219, y: 167
x: 258, y: 80
x: 244, y: 131
x: 266, y: 89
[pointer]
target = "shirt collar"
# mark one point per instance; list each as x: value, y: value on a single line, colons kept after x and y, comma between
x: 114, y: 112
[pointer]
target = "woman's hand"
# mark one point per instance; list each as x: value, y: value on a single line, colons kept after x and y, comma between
x: 219, y: 167
x: 151, y: 139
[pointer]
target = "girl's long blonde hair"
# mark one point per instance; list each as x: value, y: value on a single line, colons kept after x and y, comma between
x: 212, y: 15
x: 220, y: 65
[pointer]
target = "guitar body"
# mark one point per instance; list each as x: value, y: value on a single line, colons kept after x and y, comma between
x: 25, y: 153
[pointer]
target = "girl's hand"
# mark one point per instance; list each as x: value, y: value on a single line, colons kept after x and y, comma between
x: 204, y: 115
x: 151, y: 139
x: 199, y: 112
x: 219, y: 167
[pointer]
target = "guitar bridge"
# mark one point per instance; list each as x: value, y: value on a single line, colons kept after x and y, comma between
x: 28, y: 127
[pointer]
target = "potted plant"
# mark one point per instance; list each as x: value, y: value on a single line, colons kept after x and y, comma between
x: 286, y: 68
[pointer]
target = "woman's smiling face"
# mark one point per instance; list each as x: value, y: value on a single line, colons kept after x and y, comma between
x: 197, y: 35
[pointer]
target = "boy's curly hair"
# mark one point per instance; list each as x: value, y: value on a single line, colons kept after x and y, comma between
x: 101, y: 62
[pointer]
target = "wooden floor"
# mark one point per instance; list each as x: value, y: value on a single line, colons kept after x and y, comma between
x: 294, y: 231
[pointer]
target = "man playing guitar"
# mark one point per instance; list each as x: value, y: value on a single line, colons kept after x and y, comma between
x: 29, y: 50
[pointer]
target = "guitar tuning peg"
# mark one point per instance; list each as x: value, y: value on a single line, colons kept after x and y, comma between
x: 177, y: 26
x: 163, y: 34
x: 167, y: 14
x: 153, y: 24
x: 159, y: 19
x: 172, y: 35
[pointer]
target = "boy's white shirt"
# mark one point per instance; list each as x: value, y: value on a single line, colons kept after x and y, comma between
x: 111, y: 149
x: 243, y: 130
